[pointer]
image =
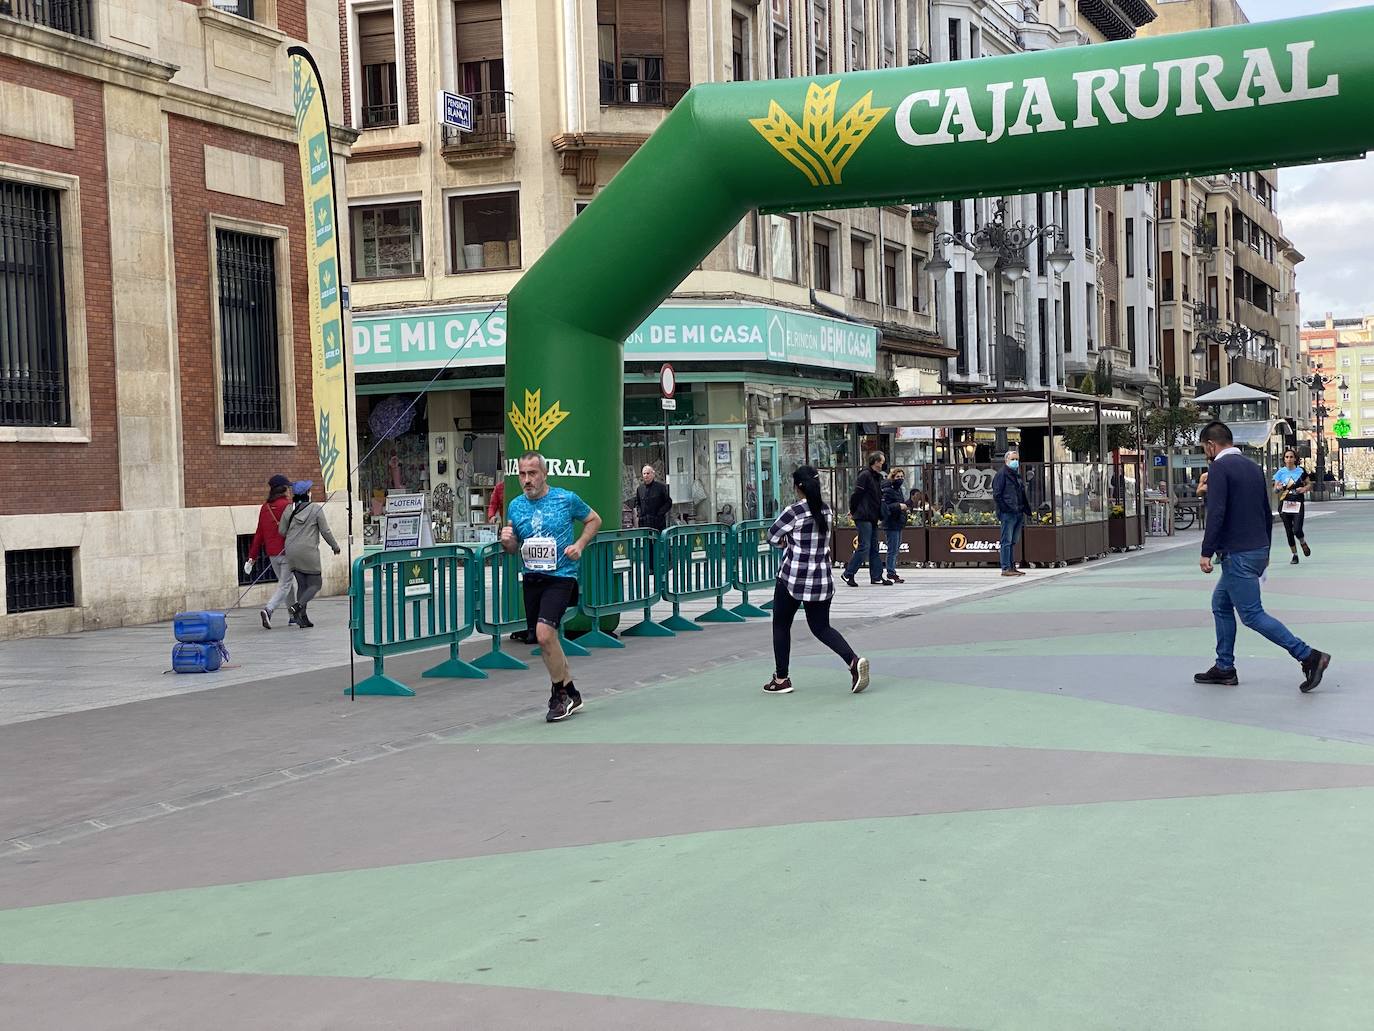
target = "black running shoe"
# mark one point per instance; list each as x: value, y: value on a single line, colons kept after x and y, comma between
x: 574, y: 698
x: 1295, y: 561
x: 1305, y: 549
x: 560, y: 706
x: 778, y: 686
x: 1215, y: 675
x: 850, y: 581
x: 1314, y: 666
x: 858, y: 675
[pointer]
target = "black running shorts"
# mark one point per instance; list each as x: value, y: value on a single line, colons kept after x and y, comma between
x: 547, y: 598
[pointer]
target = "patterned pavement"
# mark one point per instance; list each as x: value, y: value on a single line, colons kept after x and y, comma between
x: 1033, y: 819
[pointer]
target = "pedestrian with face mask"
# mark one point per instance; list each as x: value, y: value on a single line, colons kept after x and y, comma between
x: 1240, y: 530
x: 303, y: 525
x: 1009, y: 495
x: 895, y: 515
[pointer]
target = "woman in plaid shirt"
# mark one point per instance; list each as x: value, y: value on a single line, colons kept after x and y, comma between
x: 805, y: 581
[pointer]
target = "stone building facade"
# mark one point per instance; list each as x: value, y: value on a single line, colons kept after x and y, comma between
x: 154, y: 347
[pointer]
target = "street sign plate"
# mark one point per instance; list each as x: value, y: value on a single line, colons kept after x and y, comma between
x: 669, y: 404
x: 456, y: 110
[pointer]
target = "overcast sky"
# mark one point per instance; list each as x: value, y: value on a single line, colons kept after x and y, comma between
x: 1327, y: 210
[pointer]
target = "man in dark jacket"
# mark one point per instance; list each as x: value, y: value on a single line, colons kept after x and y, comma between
x: 866, y: 506
x: 1009, y: 495
x: 1240, y: 528
x: 652, y: 501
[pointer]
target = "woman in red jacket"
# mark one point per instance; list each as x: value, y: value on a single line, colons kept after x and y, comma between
x: 268, y: 539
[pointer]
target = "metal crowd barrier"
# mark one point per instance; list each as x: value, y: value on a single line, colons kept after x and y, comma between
x: 756, y: 564
x: 500, y: 603
x: 698, y: 562
x: 420, y: 599
x: 619, y: 574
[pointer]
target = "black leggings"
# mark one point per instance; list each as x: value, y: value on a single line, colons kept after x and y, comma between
x: 817, y: 618
x: 1292, y: 524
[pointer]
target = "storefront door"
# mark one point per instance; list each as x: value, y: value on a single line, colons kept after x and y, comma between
x: 766, y: 476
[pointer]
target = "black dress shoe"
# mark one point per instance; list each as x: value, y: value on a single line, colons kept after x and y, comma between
x: 1223, y: 677
x: 1314, y: 666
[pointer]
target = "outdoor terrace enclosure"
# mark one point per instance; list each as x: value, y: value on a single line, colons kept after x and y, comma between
x: 1220, y: 100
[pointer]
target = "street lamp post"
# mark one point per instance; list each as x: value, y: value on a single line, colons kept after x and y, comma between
x: 1000, y: 251
x: 1318, y: 383
x: 1234, y: 341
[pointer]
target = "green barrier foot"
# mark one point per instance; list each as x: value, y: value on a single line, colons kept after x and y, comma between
x: 768, y: 605
x: 378, y: 684
x: 676, y: 622
x: 749, y: 610
x: 648, y: 628
x: 455, y: 668
x: 499, y: 660
x: 598, y: 639
x: 569, y: 648
x: 720, y: 614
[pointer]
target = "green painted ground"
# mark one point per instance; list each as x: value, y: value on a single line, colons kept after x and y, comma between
x: 1057, y: 596
x: 1120, y: 916
x: 726, y: 706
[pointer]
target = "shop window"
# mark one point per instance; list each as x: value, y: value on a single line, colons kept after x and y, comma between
x: 40, y: 578
x: 34, y: 380
x: 250, y: 332
x: 377, y: 58
x: 387, y: 241
x: 782, y: 247
x: 822, y: 254
x: 858, y: 264
x: 485, y: 231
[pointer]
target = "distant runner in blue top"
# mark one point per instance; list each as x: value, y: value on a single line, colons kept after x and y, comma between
x: 1291, y: 485
x: 541, y: 531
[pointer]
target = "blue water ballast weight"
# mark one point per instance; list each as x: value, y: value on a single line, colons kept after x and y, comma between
x: 198, y: 657
x: 199, y: 627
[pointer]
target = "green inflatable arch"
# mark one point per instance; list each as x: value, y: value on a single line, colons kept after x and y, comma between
x: 1221, y: 100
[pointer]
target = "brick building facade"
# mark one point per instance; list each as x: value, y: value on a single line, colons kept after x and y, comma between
x: 154, y: 325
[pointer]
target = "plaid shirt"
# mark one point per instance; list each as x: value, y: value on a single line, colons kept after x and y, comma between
x: 805, y: 571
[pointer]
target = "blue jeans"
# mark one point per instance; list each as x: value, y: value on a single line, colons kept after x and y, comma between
x: 868, y: 548
x: 894, y: 549
x: 1238, y: 591
x: 1011, y: 530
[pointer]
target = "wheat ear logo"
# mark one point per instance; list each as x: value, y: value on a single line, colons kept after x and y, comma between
x: 533, y: 425
x: 820, y: 146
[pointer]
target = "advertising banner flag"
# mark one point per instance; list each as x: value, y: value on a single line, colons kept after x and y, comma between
x: 322, y: 270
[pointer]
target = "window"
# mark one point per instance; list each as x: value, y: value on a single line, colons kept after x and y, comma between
x: 1112, y: 336
x: 261, y: 572
x: 975, y: 43
x: 1090, y: 313
x: 485, y: 231
x: 241, y: 8
x: 481, y: 67
x: 387, y: 241
x: 1066, y: 323
x: 1130, y: 248
x: 38, y: 579
x: 957, y: 216
x: 820, y: 35
x: 1166, y: 201
x: 643, y: 51
x: 960, y: 325
x: 822, y: 246
x: 377, y: 55
x: 887, y: 33
x: 858, y: 41
x: 1130, y: 332
x: 747, y: 243
x: 891, y: 257
x: 782, y: 247
x: 858, y: 261
x: 249, y: 332
x: 739, y: 47
x: 918, y: 286
x: 1150, y: 335
x: 956, y: 30
x: 1040, y: 266
x: 1111, y: 236
x: 1042, y: 323
x: 34, y: 378
x: 1149, y: 249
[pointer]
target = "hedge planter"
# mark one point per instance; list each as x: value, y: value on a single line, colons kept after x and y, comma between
x: 1126, y: 532
x: 913, y: 553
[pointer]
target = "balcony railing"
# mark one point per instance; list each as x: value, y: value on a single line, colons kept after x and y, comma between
x: 641, y: 93
x: 241, y: 8
x: 914, y: 56
x: 72, y: 16
x: 492, y: 121
x: 1013, y: 363
x: 379, y: 116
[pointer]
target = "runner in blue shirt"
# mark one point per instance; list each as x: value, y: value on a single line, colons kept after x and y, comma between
x: 541, y: 531
x: 1291, y: 485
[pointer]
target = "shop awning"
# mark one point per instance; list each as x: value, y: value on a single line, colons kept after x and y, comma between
x: 987, y: 412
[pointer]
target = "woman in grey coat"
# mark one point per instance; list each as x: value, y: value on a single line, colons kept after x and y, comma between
x: 302, y: 526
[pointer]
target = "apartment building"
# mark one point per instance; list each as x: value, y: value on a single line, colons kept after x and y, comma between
x: 154, y: 329
x: 1342, y: 351
x: 1228, y: 299
x: 445, y: 222
x: 1097, y: 317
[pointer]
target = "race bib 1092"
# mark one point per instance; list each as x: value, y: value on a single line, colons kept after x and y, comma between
x: 540, y: 554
